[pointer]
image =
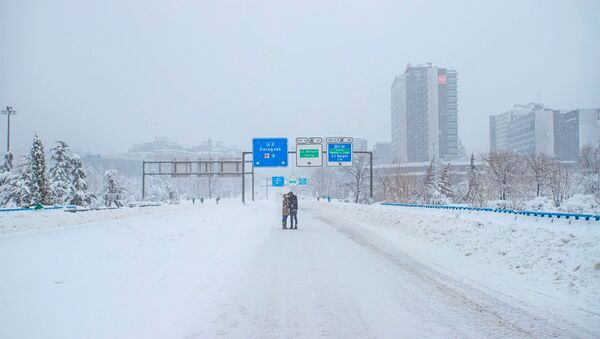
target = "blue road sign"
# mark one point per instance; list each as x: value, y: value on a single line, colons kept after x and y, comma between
x: 339, y: 153
x: 302, y: 181
x: 277, y: 181
x: 270, y: 152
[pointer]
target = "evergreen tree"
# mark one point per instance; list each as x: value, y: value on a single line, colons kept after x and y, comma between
x: 7, y: 178
x: 79, y: 185
x: 19, y: 190
x: 60, y: 173
x: 7, y: 165
x: 40, y: 188
x: 114, y: 189
x: 429, y: 184
x: 474, y: 192
x: 445, y: 182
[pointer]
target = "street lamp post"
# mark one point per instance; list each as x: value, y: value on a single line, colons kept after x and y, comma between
x: 8, y: 112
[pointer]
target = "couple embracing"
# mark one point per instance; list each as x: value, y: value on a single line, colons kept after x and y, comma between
x: 290, y: 208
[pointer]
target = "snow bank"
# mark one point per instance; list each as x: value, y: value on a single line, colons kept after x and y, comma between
x: 24, y: 221
x: 563, y: 255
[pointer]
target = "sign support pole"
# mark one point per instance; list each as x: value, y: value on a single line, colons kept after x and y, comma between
x: 143, y: 180
x: 244, y: 177
x: 371, y: 172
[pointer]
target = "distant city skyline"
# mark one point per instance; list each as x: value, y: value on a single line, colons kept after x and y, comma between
x: 106, y: 75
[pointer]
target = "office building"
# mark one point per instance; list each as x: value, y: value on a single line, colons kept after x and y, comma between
x: 533, y: 128
x: 424, y: 114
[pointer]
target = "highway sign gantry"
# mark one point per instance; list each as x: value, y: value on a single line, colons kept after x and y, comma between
x: 270, y: 152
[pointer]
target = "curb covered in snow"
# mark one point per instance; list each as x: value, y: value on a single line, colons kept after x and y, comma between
x: 500, y: 210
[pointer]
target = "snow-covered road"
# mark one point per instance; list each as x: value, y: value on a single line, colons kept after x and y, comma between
x: 230, y: 271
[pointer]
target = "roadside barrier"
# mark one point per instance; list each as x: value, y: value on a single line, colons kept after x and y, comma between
x: 557, y: 215
x: 55, y: 207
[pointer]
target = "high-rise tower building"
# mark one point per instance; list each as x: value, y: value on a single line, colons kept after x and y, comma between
x: 424, y: 107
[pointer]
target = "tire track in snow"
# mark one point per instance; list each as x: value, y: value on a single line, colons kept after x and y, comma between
x: 490, y: 315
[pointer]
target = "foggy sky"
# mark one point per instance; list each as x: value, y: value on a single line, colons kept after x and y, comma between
x: 103, y: 75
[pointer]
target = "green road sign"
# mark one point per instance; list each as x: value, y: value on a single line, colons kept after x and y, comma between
x: 309, y: 153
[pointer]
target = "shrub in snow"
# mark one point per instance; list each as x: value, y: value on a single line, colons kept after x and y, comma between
x: 580, y: 203
x: 539, y: 204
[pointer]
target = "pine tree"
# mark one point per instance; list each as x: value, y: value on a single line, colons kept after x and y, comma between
x: 474, y: 194
x: 114, y: 189
x: 19, y: 190
x: 79, y: 185
x: 40, y: 188
x: 60, y: 173
x: 7, y: 178
x: 7, y: 165
x: 429, y: 184
x: 445, y: 182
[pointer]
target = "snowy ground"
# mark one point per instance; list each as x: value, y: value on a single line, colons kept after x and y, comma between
x: 201, y: 271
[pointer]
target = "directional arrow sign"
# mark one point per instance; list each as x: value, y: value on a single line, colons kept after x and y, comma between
x: 308, y: 155
x: 270, y: 152
x: 277, y: 181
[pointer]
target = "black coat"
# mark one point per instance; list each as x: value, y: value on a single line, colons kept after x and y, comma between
x: 293, y: 202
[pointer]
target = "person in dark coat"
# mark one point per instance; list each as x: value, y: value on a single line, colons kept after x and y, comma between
x: 285, y: 210
x: 293, y: 202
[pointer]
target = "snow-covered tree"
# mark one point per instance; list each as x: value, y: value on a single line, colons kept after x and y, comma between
x: 21, y: 183
x: 539, y: 165
x: 559, y: 182
x: 445, y: 183
x: 7, y: 179
x: 589, y: 166
x: 7, y: 164
x: 60, y: 173
x: 79, y: 185
x: 40, y: 188
x: 474, y: 193
x: 430, y: 185
x: 114, y: 188
x: 504, y: 169
x: 359, y: 173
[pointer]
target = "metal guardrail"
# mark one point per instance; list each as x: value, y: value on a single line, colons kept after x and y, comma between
x: 55, y: 207
x: 557, y: 215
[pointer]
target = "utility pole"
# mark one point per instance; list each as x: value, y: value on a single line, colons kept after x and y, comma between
x: 210, y: 170
x: 8, y: 112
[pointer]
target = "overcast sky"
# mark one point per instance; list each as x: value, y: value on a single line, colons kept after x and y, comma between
x: 103, y: 75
